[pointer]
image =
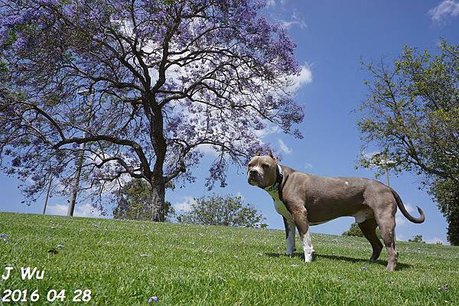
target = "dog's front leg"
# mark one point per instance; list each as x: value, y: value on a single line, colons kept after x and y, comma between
x: 301, y: 221
x: 290, y: 236
x: 307, y: 246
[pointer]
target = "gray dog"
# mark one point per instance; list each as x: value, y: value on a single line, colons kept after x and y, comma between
x: 303, y: 199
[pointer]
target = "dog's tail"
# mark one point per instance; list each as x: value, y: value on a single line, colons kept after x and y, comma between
x: 402, y: 208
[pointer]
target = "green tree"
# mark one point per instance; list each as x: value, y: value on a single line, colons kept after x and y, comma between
x: 412, y: 115
x: 355, y: 231
x: 222, y: 210
x: 416, y: 238
x: 134, y: 202
x: 446, y: 191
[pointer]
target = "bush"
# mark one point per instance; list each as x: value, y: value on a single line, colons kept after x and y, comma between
x: 354, y: 230
x: 222, y: 210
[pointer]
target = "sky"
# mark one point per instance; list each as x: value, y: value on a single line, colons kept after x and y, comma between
x: 333, y: 37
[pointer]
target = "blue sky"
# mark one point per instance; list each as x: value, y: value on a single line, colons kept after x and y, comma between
x: 332, y: 38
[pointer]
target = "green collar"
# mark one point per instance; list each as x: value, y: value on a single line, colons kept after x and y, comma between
x: 275, y: 187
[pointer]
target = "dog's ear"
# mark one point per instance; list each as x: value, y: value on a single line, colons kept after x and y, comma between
x: 270, y: 154
x: 258, y: 153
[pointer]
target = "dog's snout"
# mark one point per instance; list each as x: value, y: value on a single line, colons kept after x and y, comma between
x: 253, y: 176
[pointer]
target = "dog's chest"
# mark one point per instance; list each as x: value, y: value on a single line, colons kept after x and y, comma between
x: 280, y: 206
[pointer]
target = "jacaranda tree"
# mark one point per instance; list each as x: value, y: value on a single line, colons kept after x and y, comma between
x: 133, y: 200
x: 138, y: 87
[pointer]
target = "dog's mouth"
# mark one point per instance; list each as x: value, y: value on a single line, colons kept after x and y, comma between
x: 255, y: 178
x: 252, y: 182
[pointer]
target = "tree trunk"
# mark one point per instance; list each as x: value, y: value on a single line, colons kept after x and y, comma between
x: 158, y: 201
x: 76, y: 181
x: 453, y: 226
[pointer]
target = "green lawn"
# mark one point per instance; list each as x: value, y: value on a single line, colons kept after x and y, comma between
x: 128, y: 262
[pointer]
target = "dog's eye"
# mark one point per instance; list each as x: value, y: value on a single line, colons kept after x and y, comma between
x: 265, y: 166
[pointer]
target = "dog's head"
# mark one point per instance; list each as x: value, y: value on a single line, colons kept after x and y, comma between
x: 262, y: 171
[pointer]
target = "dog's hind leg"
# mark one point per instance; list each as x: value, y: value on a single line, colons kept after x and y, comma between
x: 388, y: 234
x: 386, y: 222
x: 368, y: 228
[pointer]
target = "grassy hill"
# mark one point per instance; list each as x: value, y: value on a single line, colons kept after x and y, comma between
x: 129, y: 262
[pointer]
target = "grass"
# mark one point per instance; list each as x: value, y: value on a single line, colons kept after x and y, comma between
x: 128, y: 262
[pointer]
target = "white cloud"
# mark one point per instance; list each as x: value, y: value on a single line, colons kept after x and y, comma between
x: 436, y: 240
x: 303, y: 78
x: 400, y: 220
x: 58, y: 209
x: 401, y: 237
x: 185, y: 205
x: 307, y: 166
x: 270, y: 3
x: 444, y: 9
x: 370, y: 155
x: 267, y: 131
x: 208, y: 149
x: 84, y: 210
x: 295, y: 21
x: 283, y: 147
x: 273, y: 3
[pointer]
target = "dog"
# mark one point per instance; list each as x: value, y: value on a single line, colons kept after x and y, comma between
x: 304, y: 199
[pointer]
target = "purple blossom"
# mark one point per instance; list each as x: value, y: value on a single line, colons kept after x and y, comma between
x: 49, y: 2
x: 219, y: 87
x: 4, y: 35
x: 153, y: 299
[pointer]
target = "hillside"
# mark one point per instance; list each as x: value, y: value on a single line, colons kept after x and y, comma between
x: 112, y: 262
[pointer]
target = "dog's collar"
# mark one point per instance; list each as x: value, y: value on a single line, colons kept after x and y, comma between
x: 277, y: 183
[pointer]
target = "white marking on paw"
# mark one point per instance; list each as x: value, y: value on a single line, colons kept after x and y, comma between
x: 308, y: 257
x: 307, y: 246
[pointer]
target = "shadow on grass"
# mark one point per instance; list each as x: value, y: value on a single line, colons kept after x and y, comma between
x: 400, y: 266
